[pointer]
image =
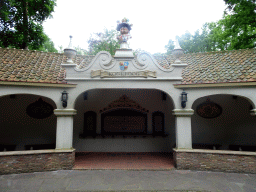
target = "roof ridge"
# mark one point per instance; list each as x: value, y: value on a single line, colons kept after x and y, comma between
x: 30, y: 50
x: 221, y: 51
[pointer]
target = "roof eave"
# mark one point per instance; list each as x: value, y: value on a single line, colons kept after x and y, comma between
x: 37, y: 84
x: 222, y: 84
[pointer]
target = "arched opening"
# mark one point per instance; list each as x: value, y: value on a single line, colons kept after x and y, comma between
x: 27, y: 122
x: 223, y: 122
x: 124, y: 123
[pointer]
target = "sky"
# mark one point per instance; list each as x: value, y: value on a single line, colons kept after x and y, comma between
x: 155, y: 22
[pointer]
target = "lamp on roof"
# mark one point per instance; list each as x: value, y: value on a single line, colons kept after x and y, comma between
x: 70, y: 52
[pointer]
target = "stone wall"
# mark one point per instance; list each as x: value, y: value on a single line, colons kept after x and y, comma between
x: 215, y: 160
x: 36, y: 161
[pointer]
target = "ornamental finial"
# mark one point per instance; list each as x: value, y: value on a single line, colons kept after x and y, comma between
x: 177, y: 45
x: 70, y: 43
x: 177, y: 51
x: 70, y: 52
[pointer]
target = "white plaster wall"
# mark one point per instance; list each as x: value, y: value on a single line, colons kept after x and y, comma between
x: 235, y: 126
x: 54, y: 93
x: 17, y: 128
x: 148, y: 98
x: 163, y: 85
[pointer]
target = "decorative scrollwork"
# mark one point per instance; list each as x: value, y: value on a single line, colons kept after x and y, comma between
x: 145, y: 58
x: 103, y: 58
x: 124, y: 102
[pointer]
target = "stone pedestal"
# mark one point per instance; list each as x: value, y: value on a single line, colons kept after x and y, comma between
x: 64, y: 136
x: 124, y: 54
x: 183, y: 128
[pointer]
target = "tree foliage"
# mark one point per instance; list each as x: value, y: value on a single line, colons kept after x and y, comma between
x: 241, y: 23
x: 103, y: 41
x: 21, y: 22
x: 48, y: 45
x: 236, y: 30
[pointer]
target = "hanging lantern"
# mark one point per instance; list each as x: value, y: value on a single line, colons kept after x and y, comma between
x: 184, y: 99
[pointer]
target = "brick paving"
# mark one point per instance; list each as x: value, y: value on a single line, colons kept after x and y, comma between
x: 141, y: 161
x: 100, y: 172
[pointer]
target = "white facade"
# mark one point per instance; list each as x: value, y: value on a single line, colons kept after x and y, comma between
x: 236, y: 125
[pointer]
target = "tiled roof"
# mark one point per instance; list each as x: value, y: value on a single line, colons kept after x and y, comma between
x: 33, y: 66
x: 219, y: 67
x: 211, y: 67
x: 166, y: 61
x: 215, y: 67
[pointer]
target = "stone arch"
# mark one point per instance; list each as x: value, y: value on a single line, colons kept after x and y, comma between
x: 23, y: 131
x: 98, y: 99
x: 233, y: 127
x: 167, y: 95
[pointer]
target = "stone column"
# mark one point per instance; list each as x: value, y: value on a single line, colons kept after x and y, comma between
x: 183, y: 128
x: 64, y: 135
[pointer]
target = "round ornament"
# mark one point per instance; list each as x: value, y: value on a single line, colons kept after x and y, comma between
x: 209, y: 110
x: 39, y: 109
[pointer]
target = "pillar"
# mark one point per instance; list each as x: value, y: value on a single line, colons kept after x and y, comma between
x: 183, y: 128
x: 64, y: 135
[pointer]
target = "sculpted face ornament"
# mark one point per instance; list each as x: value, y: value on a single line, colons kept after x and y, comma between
x: 124, y: 29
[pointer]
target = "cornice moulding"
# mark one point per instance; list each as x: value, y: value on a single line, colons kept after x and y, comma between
x: 54, y: 85
x: 65, y: 112
x: 209, y: 85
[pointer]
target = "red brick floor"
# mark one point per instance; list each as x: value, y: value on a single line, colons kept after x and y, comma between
x: 118, y: 160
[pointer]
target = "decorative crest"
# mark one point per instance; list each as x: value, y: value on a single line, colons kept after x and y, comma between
x: 124, y: 102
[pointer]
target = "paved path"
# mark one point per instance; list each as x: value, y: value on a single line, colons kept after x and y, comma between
x: 124, y: 180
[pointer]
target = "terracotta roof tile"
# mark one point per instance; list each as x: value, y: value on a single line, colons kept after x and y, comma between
x: 223, y: 66
x: 211, y: 67
x: 35, y: 66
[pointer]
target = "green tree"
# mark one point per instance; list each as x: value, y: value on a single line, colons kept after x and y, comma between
x: 236, y: 30
x: 241, y: 23
x: 81, y: 51
x: 169, y: 47
x: 48, y: 45
x: 21, y: 22
x: 103, y: 41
